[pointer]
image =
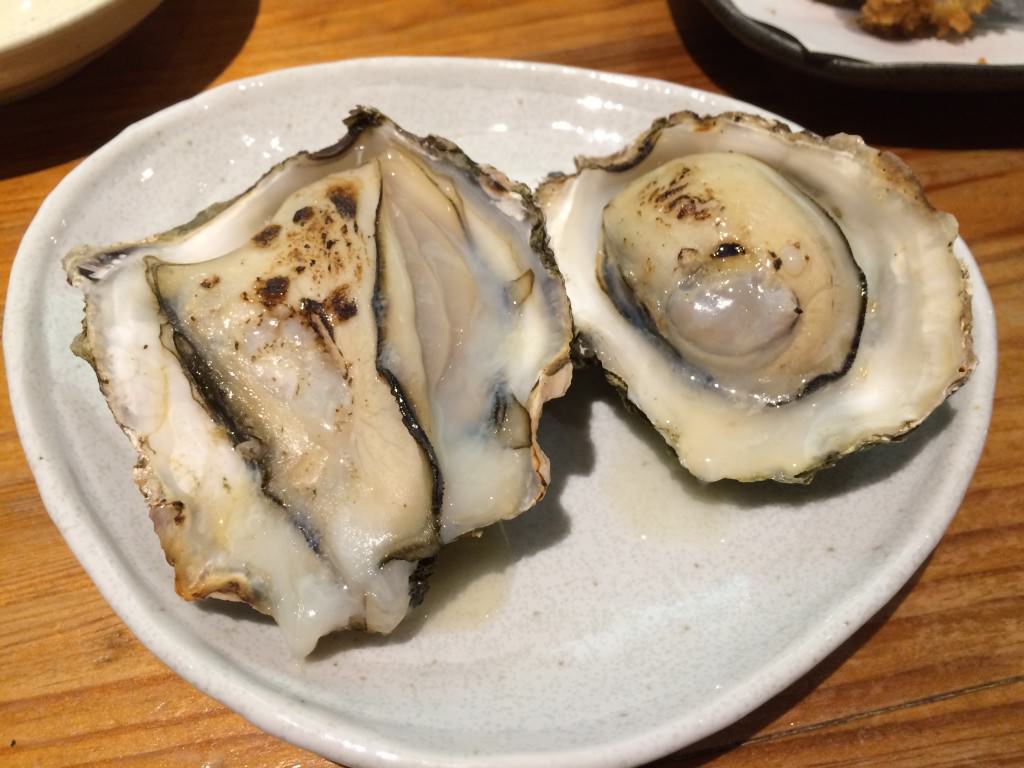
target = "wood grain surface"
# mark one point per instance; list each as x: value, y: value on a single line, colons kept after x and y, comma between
x: 935, y: 679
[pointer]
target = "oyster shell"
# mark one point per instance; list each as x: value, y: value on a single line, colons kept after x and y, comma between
x: 331, y: 375
x: 771, y: 300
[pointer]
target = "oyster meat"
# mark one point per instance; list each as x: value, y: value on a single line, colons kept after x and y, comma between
x: 771, y: 300
x: 333, y: 374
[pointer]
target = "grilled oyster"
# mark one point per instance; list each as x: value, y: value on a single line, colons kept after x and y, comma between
x: 331, y: 375
x: 770, y: 300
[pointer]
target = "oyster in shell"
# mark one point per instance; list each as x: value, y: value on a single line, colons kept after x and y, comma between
x: 333, y: 374
x: 771, y: 300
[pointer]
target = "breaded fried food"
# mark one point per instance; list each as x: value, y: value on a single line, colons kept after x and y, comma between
x: 911, y: 18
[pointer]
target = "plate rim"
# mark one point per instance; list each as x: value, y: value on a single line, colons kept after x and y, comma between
x: 359, y: 745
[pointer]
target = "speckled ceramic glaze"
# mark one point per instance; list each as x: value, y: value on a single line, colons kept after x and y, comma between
x: 631, y: 613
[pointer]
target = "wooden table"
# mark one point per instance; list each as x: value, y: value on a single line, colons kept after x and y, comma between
x: 936, y: 678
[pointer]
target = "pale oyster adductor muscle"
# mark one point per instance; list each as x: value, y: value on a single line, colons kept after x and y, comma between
x: 333, y: 374
x: 771, y: 300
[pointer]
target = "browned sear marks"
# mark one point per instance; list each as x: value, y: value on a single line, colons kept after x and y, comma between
x: 311, y: 308
x: 674, y: 197
x: 267, y: 235
x: 336, y: 308
x: 343, y: 200
x: 302, y: 215
x: 673, y: 188
x: 272, y: 290
x: 209, y: 282
x: 690, y: 205
x: 341, y: 305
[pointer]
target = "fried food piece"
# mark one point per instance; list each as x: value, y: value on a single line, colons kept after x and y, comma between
x: 909, y: 18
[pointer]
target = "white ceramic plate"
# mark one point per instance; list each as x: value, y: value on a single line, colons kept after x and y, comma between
x: 631, y: 613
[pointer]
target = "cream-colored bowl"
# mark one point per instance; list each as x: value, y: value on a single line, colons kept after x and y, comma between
x: 44, y: 41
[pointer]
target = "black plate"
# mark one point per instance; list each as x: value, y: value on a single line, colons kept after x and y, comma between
x: 927, y: 76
